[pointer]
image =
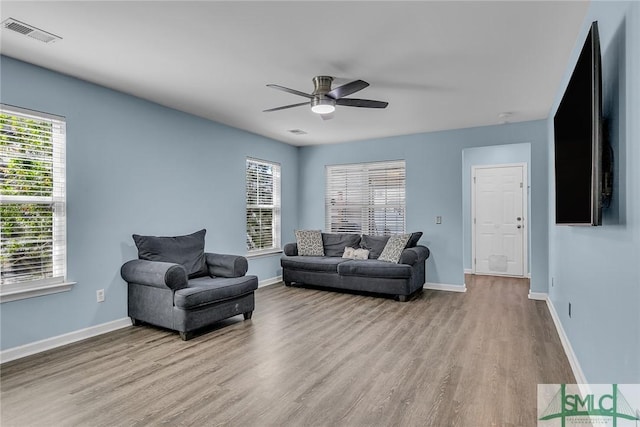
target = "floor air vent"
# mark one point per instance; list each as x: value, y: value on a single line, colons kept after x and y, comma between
x: 29, y: 30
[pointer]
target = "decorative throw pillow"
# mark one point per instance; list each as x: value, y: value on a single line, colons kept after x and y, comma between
x: 353, y: 253
x: 309, y: 243
x: 413, y: 240
x: 360, y: 254
x: 394, y: 247
x: 348, y: 252
x: 185, y: 250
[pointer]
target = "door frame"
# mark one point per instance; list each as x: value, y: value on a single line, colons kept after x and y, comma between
x: 525, y: 216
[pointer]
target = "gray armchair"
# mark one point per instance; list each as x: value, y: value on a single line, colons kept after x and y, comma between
x: 196, y: 290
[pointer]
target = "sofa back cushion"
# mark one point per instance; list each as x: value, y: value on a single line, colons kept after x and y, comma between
x: 374, y: 244
x: 334, y: 243
x: 185, y: 250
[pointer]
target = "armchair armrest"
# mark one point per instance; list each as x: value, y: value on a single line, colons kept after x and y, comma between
x: 291, y: 249
x: 155, y: 273
x: 222, y: 265
x: 411, y: 256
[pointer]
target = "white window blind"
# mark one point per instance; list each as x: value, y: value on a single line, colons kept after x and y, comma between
x: 366, y: 198
x: 263, y: 205
x: 32, y: 198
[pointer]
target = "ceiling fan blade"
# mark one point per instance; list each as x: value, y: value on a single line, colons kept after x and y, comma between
x: 285, y: 107
x: 293, y: 91
x: 366, y: 103
x: 347, y: 89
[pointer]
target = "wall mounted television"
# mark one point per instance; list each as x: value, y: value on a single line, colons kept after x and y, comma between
x: 582, y: 172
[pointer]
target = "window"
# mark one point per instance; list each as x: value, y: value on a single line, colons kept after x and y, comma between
x: 263, y: 206
x: 366, y: 198
x: 32, y: 201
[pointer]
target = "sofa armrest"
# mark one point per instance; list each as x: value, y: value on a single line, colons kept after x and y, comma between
x: 291, y: 249
x: 412, y: 256
x: 155, y: 273
x: 222, y: 265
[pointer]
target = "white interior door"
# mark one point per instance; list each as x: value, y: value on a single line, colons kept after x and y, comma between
x: 499, y: 204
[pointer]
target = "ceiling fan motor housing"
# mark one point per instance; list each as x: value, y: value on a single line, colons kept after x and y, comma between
x: 322, y: 85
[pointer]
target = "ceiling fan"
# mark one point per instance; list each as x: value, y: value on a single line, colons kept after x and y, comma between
x: 323, y: 99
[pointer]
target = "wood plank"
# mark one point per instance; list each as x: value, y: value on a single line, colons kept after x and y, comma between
x: 308, y: 357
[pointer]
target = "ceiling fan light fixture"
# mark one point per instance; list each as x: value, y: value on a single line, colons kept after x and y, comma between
x: 323, y: 105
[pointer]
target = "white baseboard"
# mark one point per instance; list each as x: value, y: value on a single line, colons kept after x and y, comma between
x: 271, y: 281
x: 64, y: 339
x: 538, y: 296
x: 445, y: 287
x: 573, y: 360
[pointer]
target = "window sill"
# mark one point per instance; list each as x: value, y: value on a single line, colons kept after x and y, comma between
x: 32, y: 291
x: 266, y: 252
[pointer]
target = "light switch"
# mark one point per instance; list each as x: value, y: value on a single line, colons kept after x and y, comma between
x: 438, y: 219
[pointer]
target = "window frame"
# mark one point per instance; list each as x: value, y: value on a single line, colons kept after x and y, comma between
x: 275, y: 207
x: 352, y: 183
x: 57, y: 200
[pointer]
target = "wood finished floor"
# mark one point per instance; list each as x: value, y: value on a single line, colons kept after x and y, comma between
x: 308, y: 357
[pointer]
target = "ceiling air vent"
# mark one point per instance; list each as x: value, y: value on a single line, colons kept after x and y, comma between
x: 297, y: 131
x: 29, y: 30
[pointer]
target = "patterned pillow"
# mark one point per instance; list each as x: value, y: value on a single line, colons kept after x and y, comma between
x: 394, y: 247
x: 360, y: 254
x: 353, y: 253
x: 348, y: 253
x: 309, y: 243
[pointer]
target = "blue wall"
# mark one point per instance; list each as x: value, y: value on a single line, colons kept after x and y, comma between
x: 135, y: 167
x: 596, y: 269
x: 484, y: 156
x: 434, y: 187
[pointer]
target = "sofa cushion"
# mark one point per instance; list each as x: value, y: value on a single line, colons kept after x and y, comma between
x: 185, y: 250
x: 309, y: 242
x: 334, y: 243
x: 205, y: 290
x: 327, y: 264
x: 394, y: 247
x: 374, y: 244
x: 374, y: 268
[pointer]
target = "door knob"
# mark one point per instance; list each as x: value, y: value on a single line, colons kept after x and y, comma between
x: 519, y: 226
x: 519, y: 219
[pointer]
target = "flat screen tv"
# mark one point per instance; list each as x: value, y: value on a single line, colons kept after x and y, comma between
x: 578, y: 134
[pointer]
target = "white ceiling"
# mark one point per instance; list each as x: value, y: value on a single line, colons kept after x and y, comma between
x: 440, y: 65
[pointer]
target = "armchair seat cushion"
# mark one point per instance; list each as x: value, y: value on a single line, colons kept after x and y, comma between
x: 374, y: 268
x: 206, y: 290
x: 312, y: 263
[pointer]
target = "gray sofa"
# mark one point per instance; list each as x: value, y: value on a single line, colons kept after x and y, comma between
x: 176, y: 285
x: 401, y: 280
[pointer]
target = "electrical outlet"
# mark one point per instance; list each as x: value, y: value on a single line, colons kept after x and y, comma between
x: 438, y: 219
x: 100, y: 295
x: 569, y: 310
